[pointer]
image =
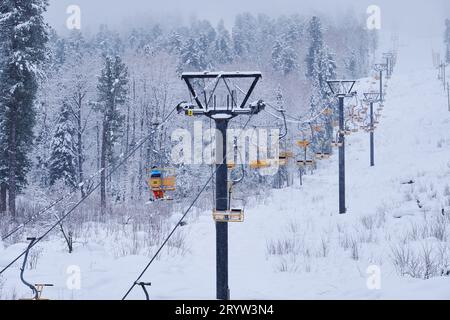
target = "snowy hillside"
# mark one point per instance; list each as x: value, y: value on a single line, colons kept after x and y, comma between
x: 294, y: 244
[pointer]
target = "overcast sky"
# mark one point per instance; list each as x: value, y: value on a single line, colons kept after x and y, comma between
x: 421, y: 16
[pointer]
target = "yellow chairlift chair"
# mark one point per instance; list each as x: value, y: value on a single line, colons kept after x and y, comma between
x: 233, y: 213
x: 259, y: 164
x: 302, y: 143
x: 165, y: 182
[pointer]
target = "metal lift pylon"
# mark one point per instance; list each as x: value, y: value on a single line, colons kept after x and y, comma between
x: 205, y: 103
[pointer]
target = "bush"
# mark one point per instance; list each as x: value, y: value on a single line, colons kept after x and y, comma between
x: 424, y: 262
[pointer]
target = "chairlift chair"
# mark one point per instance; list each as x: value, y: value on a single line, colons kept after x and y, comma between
x: 38, y: 295
x: 231, y: 165
x: 319, y: 155
x: 317, y: 128
x: 302, y: 143
x: 166, y: 182
x: 326, y: 155
x: 160, y: 184
x: 328, y: 112
x: 286, y: 154
x: 305, y: 163
x: 345, y: 132
x: 284, y: 157
x: 37, y: 289
x: 323, y: 155
x: 282, y: 161
x: 259, y: 164
x: 144, y: 286
x: 233, y: 213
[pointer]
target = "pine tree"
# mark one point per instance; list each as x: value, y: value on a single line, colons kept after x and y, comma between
x: 112, y: 93
x: 174, y: 43
x: 222, y: 51
x: 277, y: 51
x: 316, y: 40
x: 288, y: 60
x: 108, y: 42
x: 284, y: 57
x: 447, y: 39
x: 23, y: 39
x: 63, y: 150
x: 192, y: 58
x: 244, y: 37
x: 351, y: 65
x: 320, y: 68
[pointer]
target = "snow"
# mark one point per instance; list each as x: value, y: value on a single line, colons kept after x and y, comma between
x: 412, y: 143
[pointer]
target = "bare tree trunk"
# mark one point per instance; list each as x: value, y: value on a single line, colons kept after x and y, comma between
x: 3, y: 190
x: 97, y: 128
x: 12, y: 159
x: 103, y: 168
x: 80, y: 156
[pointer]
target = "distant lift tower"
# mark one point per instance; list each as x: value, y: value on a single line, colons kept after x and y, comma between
x: 371, y: 98
x: 221, y: 96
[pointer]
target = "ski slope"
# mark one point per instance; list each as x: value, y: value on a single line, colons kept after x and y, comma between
x: 326, y: 254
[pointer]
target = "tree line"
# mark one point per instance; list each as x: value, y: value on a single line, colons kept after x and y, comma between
x: 72, y: 105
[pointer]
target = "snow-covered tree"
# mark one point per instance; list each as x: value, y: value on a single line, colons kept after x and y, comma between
x: 351, y: 65
x: 316, y: 45
x: 108, y: 42
x: 63, y: 150
x: 174, y: 43
x: 80, y: 88
x: 244, y: 35
x: 320, y: 68
x: 284, y: 57
x: 192, y: 58
x: 23, y: 40
x: 222, y: 50
x: 447, y: 39
x: 277, y: 51
x: 112, y: 93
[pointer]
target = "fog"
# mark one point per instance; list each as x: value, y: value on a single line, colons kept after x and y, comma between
x: 424, y: 18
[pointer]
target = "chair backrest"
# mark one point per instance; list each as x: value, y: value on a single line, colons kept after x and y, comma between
x: 168, y: 181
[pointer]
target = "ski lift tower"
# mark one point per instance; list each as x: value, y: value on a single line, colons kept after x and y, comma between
x: 218, y: 96
x: 342, y: 89
x: 380, y: 67
x: 371, y: 98
x: 389, y: 66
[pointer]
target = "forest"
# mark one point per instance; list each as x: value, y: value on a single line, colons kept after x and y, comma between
x: 93, y: 97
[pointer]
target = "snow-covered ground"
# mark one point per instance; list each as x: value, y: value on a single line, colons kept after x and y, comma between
x: 295, y: 245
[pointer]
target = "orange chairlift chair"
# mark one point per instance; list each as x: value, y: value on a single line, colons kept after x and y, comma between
x: 161, y: 181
